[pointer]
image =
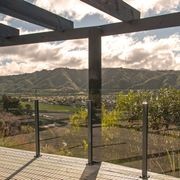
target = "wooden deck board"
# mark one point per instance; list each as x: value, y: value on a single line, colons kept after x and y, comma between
x: 21, y: 165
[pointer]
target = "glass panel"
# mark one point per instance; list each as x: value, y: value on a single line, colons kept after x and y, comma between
x: 16, y: 122
x: 63, y: 124
x: 122, y: 129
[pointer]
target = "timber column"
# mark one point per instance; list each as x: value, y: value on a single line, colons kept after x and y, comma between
x: 95, y: 88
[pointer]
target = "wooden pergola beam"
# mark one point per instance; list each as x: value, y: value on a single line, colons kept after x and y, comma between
x: 116, y: 8
x: 151, y: 23
x: 7, y: 31
x: 28, y: 12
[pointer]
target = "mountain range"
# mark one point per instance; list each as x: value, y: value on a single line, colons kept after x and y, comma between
x: 73, y: 80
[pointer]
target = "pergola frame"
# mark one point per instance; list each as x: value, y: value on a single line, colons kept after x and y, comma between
x: 150, y: 23
x: 94, y: 34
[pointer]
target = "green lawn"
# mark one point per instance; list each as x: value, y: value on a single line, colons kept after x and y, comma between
x: 51, y: 107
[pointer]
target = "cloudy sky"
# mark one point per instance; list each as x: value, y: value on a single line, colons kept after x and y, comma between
x: 154, y: 50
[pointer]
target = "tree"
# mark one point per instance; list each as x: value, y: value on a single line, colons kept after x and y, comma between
x: 129, y: 105
x: 79, y: 118
x: 28, y: 109
x: 11, y: 105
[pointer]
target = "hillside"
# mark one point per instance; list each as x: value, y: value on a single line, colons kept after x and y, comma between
x: 72, y: 80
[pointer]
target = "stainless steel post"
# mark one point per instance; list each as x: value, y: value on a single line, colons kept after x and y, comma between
x: 37, y: 137
x: 90, y: 133
x: 145, y: 142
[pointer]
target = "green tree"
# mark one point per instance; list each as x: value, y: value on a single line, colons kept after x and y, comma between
x: 28, y: 109
x: 109, y: 118
x: 79, y: 118
x: 165, y: 108
x: 129, y: 105
x: 11, y: 105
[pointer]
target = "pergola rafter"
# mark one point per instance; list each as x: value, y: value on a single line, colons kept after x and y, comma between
x: 116, y: 8
x: 28, y: 12
x: 150, y: 23
x: 7, y: 31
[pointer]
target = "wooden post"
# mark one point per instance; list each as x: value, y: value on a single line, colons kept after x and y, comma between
x: 95, y: 87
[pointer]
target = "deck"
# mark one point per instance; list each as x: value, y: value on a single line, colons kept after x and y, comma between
x: 21, y: 165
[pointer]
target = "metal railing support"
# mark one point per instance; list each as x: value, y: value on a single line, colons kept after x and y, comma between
x: 145, y: 142
x: 90, y: 133
x: 37, y: 137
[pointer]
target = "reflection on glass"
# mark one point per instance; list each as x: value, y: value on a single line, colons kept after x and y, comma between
x: 122, y: 129
x: 63, y: 126
x: 16, y: 122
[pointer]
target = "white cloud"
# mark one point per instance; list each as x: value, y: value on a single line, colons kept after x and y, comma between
x: 74, y: 9
x: 157, y: 6
x: 150, y: 53
x: 118, y: 51
x: 5, y: 19
x: 30, y: 58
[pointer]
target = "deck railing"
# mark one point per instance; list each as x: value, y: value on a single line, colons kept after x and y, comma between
x: 144, y: 175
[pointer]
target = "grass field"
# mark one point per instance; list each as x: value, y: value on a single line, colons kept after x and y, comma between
x: 51, y: 107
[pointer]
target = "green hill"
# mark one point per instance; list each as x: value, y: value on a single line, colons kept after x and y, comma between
x: 72, y: 80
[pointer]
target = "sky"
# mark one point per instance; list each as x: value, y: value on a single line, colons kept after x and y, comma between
x: 153, y: 50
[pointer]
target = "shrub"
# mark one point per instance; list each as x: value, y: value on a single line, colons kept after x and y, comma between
x: 79, y: 118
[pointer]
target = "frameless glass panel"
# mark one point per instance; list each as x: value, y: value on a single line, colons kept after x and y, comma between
x: 139, y: 70
x: 16, y: 122
x: 63, y: 124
